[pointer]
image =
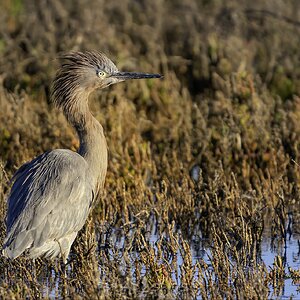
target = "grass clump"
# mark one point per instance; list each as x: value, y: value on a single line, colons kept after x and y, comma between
x: 203, y: 165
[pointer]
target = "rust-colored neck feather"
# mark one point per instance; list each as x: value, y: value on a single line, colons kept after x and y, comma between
x: 70, y: 92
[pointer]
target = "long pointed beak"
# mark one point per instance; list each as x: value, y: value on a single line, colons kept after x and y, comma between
x: 130, y: 75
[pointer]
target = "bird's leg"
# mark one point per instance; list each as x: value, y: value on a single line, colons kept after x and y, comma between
x: 63, y: 271
x: 34, y: 270
x: 63, y: 276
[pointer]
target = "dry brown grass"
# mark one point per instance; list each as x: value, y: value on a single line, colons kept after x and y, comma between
x: 229, y: 105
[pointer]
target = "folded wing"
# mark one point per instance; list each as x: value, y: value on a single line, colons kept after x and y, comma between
x: 49, y: 200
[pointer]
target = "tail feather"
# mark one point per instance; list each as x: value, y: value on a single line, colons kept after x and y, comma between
x: 15, y: 246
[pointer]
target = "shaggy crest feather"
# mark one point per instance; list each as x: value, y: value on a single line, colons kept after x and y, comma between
x: 77, y: 72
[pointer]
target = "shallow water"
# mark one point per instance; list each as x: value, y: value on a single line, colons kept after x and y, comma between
x: 291, y: 258
x: 270, y: 249
x: 290, y: 253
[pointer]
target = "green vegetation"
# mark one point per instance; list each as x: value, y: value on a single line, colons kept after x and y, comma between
x: 229, y: 106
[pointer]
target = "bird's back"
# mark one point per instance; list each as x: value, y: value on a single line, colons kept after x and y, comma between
x: 48, y: 204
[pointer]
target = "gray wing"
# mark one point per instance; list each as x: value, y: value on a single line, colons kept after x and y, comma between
x: 50, y: 198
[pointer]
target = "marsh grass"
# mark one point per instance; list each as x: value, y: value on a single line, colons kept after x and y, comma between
x: 205, y: 160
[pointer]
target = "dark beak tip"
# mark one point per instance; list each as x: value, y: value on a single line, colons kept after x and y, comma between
x: 132, y: 75
x: 156, y: 76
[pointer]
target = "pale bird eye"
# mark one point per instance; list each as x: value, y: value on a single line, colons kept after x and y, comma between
x: 101, y: 74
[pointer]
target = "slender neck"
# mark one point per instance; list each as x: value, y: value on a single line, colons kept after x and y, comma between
x: 93, y: 147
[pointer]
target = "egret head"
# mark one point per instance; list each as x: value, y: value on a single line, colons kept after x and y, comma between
x: 83, y: 72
